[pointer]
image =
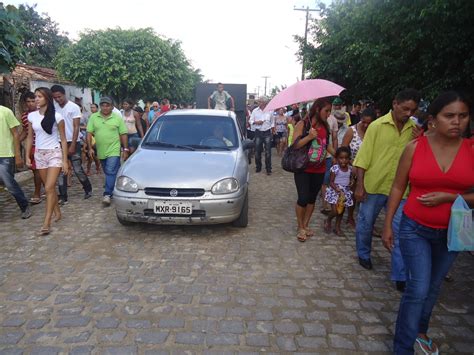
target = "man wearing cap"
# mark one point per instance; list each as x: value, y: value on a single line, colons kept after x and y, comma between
x: 337, y: 106
x: 109, y: 131
x: 263, y: 123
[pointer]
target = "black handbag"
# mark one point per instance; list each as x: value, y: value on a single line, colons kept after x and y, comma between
x: 295, y: 160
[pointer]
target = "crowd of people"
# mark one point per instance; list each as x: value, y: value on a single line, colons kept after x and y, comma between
x: 410, y: 162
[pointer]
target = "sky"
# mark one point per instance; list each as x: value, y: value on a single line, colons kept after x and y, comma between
x: 238, y: 41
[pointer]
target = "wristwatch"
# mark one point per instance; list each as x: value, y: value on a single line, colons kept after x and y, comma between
x: 126, y: 149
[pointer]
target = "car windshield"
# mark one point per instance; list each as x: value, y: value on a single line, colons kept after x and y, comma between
x: 193, y: 132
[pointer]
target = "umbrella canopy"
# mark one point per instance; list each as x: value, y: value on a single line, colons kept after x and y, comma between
x: 303, y: 91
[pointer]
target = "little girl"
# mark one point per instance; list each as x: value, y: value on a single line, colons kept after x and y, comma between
x: 340, y: 183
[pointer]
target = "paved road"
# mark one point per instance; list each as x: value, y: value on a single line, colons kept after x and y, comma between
x: 94, y: 286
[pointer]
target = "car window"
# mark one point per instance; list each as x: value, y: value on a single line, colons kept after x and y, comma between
x: 199, y: 132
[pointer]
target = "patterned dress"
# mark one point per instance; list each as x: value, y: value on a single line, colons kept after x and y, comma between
x: 342, y: 181
x: 355, y: 143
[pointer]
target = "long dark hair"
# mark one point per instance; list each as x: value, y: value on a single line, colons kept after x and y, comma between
x: 50, y: 114
x: 314, y: 112
x: 446, y: 98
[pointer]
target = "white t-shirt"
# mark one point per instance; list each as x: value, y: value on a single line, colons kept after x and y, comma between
x: 69, y: 112
x: 43, y: 139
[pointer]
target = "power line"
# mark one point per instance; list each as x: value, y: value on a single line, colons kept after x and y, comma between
x: 265, y: 77
x: 308, y: 10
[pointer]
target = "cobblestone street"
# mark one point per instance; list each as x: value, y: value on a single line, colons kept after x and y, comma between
x: 96, y: 287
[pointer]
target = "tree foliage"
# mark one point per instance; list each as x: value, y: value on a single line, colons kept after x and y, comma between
x: 10, y: 38
x: 129, y: 63
x: 42, y: 38
x: 376, y: 47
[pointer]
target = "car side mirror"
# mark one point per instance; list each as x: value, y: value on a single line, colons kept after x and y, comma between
x: 248, y: 144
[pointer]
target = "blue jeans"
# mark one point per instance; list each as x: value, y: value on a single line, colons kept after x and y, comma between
x: 263, y: 138
x: 7, y: 175
x: 427, y: 260
x: 368, y: 213
x: 111, y: 167
x: 398, y: 266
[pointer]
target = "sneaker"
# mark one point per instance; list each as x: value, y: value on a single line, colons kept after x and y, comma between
x: 365, y: 263
x: 400, y: 285
x: 106, y: 200
x: 26, y: 213
x: 87, y: 195
x: 62, y: 202
x: 427, y: 346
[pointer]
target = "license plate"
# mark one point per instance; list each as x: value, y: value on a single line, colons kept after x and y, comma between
x: 173, y: 207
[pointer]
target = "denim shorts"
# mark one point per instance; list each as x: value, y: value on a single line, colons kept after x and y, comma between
x: 49, y: 158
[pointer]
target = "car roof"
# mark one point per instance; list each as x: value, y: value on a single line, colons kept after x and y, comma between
x: 200, y: 112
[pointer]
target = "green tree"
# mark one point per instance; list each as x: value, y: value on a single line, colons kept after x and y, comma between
x: 10, y: 38
x: 129, y: 63
x: 376, y: 47
x: 42, y: 38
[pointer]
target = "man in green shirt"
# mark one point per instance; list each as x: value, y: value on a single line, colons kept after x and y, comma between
x: 10, y: 156
x: 377, y: 162
x: 109, y: 131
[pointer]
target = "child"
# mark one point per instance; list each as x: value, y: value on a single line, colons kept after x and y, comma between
x: 340, y: 183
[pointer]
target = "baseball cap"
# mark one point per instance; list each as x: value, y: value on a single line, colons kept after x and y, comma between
x: 337, y: 101
x: 105, y: 100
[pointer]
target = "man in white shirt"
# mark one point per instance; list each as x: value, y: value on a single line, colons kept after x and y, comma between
x: 263, y: 123
x: 72, y: 117
x: 221, y: 99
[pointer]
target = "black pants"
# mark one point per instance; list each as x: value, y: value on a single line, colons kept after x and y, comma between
x: 76, y: 163
x: 263, y: 138
x: 308, y: 186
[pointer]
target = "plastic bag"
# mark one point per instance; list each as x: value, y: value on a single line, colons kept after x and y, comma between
x: 341, y: 203
x: 461, y: 227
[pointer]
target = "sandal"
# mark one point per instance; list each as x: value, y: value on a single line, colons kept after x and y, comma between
x: 301, y: 236
x: 309, y: 233
x: 43, y: 231
x: 35, y: 200
x: 427, y: 346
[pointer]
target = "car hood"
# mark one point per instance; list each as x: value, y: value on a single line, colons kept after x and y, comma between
x: 178, y: 168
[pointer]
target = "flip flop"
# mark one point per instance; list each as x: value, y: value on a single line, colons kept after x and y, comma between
x: 35, y: 200
x: 43, y: 231
x: 301, y: 236
x: 309, y: 233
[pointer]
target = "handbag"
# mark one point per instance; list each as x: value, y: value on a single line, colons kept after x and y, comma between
x: 341, y: 203
x: 461, y: 227
x: 295, y: 160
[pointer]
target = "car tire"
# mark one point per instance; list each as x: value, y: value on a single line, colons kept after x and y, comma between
x: 124, y: 222
x: 243, y: 219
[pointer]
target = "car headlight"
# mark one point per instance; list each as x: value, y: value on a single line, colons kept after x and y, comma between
x: 124, y: 183
x: 226, y: 186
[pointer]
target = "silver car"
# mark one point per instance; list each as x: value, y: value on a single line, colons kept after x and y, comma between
x: 190, y: 168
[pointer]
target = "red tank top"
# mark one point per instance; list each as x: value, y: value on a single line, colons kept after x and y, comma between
x: 426, y: 176
x: 322, y: 140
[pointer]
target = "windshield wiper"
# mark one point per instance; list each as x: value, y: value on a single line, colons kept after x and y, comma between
x: 199, y: 146
x: 171, y: 145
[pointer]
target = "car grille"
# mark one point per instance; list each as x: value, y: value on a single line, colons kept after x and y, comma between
x: 165, y: 192
x: 196, y: 213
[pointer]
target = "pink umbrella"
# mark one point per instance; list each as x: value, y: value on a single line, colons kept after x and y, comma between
x: 304, y: 91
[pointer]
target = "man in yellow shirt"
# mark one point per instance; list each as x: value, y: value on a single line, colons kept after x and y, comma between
x: 10, y: 156
x: 377, y: 162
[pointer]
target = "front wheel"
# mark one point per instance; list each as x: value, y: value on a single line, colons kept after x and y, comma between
x: 243, y: 219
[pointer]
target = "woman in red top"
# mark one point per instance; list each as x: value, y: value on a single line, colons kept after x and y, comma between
x: 314, y: 129
x: 439, y: 167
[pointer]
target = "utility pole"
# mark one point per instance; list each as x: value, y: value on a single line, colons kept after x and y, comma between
x: 307, y: 9
x: 265, y: 77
